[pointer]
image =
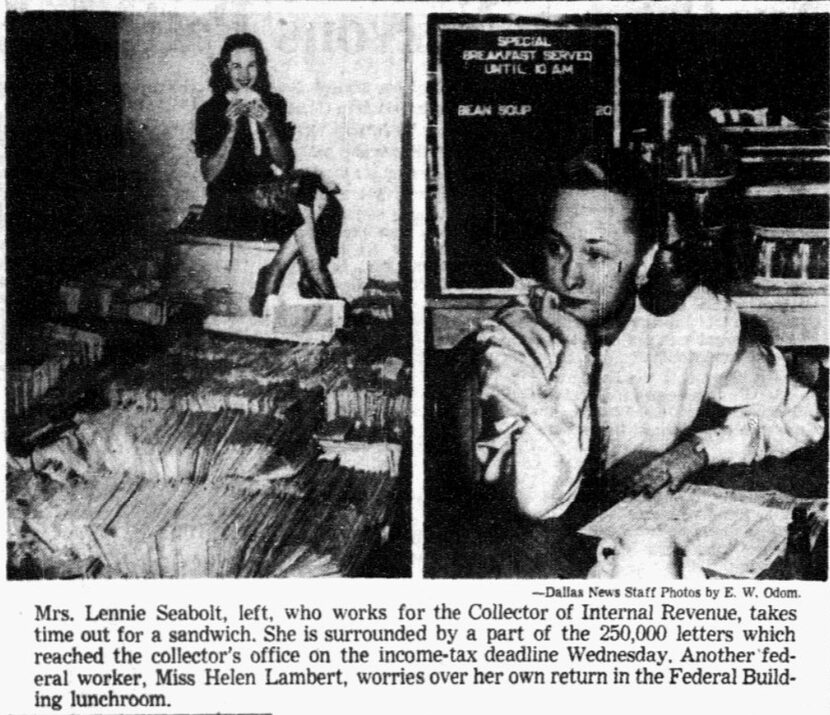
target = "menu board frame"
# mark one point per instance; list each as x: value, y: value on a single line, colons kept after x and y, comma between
x: 441, y: 203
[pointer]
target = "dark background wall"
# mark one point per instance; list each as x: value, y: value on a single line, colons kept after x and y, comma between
x: 63, y: 144
x: 780, y: 61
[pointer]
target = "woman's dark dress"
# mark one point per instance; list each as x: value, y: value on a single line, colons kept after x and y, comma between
x: 235, y: 198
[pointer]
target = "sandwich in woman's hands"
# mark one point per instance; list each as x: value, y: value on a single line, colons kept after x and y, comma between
x: 247, y: 96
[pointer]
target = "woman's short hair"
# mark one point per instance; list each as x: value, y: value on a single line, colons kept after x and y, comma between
x: 219, y: 81
x: 716, y: 264
x: 618, y: 172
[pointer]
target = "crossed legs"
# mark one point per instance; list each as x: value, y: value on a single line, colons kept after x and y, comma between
x: 301, y: 244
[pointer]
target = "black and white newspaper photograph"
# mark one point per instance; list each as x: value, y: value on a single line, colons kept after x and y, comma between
x: 374, y: 355
x: 208, y: 351
x: 628, y: 340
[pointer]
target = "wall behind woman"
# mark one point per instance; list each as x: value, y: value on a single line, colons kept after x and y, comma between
x: 64, y: 196
x: 343, y: 80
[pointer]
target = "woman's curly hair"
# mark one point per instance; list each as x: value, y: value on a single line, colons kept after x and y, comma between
x: 219, y: 81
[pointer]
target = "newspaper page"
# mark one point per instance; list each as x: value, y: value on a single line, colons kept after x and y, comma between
x: 373, y: 355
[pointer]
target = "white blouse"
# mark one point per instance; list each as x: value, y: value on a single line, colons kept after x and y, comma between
x: 653, y: 381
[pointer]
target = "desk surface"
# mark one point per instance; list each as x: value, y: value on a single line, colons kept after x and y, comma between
x: 477, y: 538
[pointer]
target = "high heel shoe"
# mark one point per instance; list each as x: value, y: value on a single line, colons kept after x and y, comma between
x: 322, y: 288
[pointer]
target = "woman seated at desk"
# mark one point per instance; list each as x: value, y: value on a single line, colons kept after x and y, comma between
x: 244, y: 143
x: 581, y: 380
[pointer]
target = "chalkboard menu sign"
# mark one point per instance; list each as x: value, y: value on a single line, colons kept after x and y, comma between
x: 513, y: 102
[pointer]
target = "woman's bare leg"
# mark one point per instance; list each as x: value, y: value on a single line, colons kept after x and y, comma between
x: 270, y: 277
x: 307, y: 243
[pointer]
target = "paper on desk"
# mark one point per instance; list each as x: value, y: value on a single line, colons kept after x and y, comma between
x: 734, y: 533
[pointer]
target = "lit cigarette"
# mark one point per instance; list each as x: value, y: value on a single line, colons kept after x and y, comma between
x: 528, y: 287
x: 523, y: 285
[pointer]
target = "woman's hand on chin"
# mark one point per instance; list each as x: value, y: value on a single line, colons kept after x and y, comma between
x: 568, y: 330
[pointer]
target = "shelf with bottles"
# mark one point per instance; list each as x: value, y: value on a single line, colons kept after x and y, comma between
x: 774, y: 150
x: 763, y: 147
x: 791, y: 257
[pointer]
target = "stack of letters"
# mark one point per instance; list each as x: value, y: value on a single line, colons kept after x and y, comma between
x: 209, y: 461
x: 58, y: 348
x: 318, y: 525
